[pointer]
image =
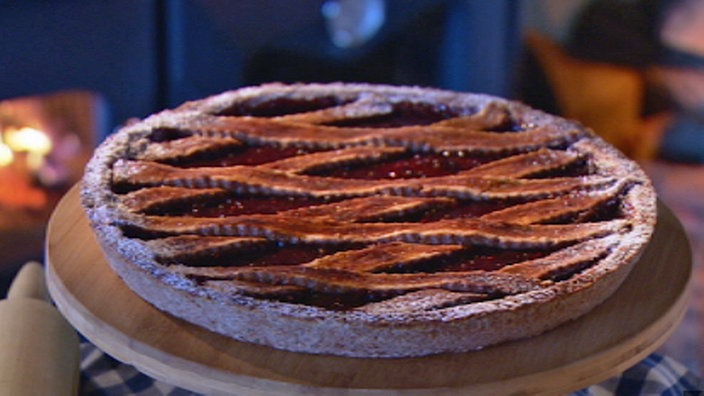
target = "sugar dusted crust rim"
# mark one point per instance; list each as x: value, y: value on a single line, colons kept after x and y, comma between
x: 310, y: 329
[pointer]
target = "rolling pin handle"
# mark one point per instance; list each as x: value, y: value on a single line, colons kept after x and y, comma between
x: 29, y: 283
x: 39, y: 350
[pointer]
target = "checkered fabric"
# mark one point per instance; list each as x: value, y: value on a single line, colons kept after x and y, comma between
x: 101, y: 375
x: 654, y: 375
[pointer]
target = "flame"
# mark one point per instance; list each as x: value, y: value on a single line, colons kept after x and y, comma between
x: 35, y: 143
x: 6, y: 154
x: 28, y: 139
x: 22, y: 153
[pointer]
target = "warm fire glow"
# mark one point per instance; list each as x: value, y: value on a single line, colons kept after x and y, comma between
x: 22, y: 155
x: 28, y: 139
x: 6, y: 155
x: 44, y: 143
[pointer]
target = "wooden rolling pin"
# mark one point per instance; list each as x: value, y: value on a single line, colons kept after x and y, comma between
x: 39, y: 352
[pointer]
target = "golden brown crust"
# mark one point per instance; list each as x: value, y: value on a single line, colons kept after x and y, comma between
x: 576, y: 233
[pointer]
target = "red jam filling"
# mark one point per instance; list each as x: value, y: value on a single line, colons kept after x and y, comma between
x: 273, y: 254
x: 417, y: 165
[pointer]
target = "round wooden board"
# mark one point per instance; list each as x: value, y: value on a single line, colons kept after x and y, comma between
x: 616, y: 335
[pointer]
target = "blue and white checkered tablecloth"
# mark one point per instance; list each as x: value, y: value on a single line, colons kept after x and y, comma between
x: 101, y: 375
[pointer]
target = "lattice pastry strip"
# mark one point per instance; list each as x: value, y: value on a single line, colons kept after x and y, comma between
x: 425, y: 138
x: 334, y: 281
x: 262, y: 180
x: 577, y: 204
x: 148, y: 199
x: 564, y: 261
x: 301, y: 230
x: 173, y: 150
x: 187, y: 247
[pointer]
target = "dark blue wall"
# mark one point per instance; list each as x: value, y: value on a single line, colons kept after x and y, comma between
x: 145, y: 55
x: 109, y: 47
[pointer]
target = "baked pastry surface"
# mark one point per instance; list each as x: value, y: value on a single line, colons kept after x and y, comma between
x: 367, y: 220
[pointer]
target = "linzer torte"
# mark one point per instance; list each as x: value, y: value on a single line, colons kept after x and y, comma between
x: 367, y: 220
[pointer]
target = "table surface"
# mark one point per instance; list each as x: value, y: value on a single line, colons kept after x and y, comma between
x: 573, y: 356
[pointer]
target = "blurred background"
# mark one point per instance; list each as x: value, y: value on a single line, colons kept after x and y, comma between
x: 72, y: 71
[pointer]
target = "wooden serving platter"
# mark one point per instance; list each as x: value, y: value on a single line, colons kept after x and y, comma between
x: 616, y: 335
